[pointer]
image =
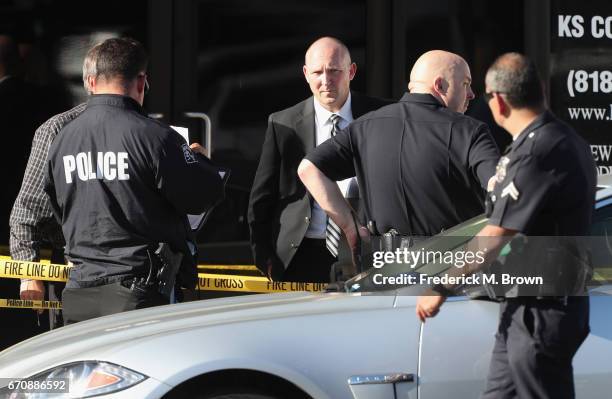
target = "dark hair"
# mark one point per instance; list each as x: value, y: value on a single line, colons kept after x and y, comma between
x: 121, y: 58
x: 516, y: 76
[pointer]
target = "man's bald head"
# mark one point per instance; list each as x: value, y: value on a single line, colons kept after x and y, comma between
x: 328, y: 70
x: 328, y: 44
x: 432, y: 64
x: 444, y: 75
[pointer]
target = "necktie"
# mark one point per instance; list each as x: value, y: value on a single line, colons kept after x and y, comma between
x: 335, y: 120
x: 332, y: 237
x: 332, y: 231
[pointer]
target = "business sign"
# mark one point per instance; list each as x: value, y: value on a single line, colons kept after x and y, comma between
x: 581, y: 72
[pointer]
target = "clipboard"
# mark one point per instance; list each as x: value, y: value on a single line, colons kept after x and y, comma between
x: 196, y: 222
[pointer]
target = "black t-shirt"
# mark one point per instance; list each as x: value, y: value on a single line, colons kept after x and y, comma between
x: 421, y: 167
x: 119, y: 183
x: 545, y: 183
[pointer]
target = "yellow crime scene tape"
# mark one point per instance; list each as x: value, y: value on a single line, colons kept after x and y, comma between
x: 47, y: 271
x: 232, y: 283
x: 27, y: 304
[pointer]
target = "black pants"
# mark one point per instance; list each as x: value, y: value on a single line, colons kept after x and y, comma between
x: 534, y: 346
x: 311, y: 263
x: 54, y: 293
x: 81, y: 304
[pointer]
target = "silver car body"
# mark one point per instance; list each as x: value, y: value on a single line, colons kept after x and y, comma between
x: 333, y: 345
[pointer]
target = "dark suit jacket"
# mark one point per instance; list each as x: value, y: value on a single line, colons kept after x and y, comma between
x: 279, y: 207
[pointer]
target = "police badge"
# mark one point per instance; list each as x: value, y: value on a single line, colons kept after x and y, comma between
x: 500, y: 169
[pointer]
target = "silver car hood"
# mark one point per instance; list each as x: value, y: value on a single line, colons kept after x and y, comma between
x: 106, y: 335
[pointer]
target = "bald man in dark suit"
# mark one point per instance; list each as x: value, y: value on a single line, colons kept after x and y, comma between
x: 288, y: 229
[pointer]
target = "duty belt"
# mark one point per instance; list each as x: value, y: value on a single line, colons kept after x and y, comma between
x: 392, y: 240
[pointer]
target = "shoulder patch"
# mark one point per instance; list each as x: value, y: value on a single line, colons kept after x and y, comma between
x: 500, y: 170
x: 188, y: 154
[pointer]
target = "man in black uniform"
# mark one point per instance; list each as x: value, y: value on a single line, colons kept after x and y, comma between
x: 422, y: 166
x: 120, y: 184
x: 544, y: 186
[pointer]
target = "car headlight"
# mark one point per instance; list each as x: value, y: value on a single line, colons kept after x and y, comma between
x: 85, y: 379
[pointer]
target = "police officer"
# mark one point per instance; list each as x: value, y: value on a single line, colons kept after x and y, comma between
x: 120, y: 184
x: 422, y: 166
x: 544, y: 186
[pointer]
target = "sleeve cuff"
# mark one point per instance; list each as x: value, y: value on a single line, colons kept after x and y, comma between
x: 442, y: 290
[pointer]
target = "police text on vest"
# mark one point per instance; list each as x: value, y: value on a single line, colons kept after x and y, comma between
x: 107, y: 165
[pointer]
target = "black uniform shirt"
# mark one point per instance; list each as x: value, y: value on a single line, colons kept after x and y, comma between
x: 421, y: 167
x: 545, y: 183
x: 120, y: 182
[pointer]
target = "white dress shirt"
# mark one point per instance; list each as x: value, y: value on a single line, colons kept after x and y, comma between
x: 323, y: 127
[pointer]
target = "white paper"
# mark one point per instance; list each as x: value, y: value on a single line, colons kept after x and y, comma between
x: 183, y: 131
